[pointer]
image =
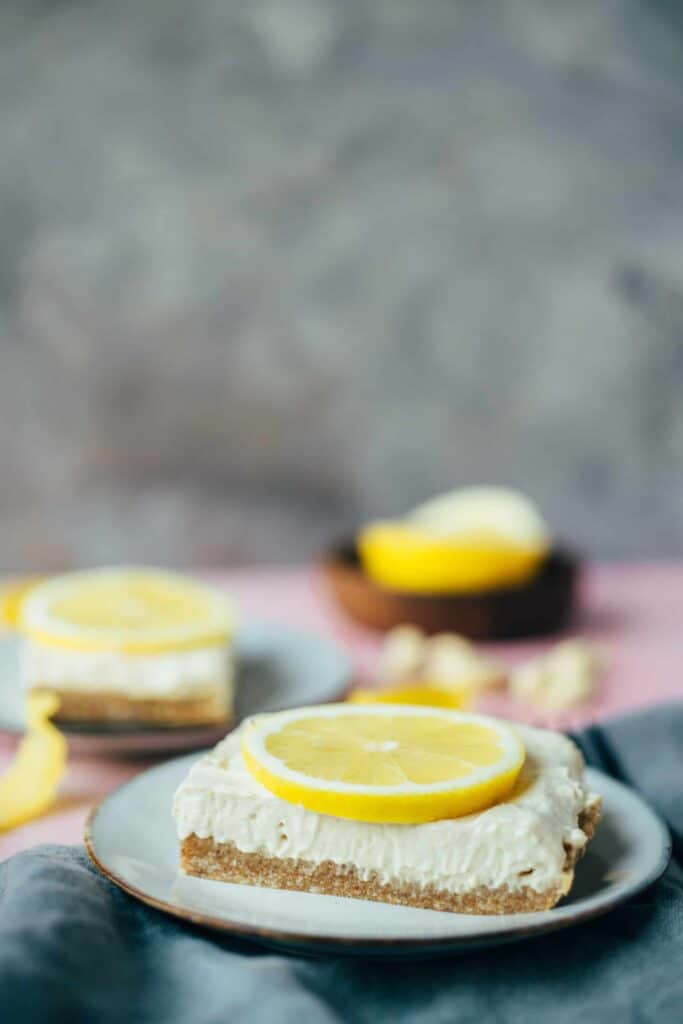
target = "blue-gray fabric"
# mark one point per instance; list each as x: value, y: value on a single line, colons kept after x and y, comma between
x: 74, y: 948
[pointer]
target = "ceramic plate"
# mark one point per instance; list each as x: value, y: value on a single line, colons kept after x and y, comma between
x: 131, y: 839
x: 277, y: 668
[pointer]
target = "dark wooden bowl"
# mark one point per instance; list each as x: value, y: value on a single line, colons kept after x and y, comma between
x: 540, y: 606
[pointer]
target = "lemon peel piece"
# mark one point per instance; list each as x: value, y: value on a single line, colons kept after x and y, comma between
x: 12, y: 594
x: 29, y: 785
x: 421, y: 694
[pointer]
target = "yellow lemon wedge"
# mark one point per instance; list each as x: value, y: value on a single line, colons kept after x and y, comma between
x: 402, y: 556
x: 130, y: 610
x: 429, y: 694
x: 469, y: 539
x: 383, y: 762
x: 12, y: 594
x: 29, y: 785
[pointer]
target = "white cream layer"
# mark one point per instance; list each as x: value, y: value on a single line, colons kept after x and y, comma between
x: 172, y: 675
x: 518, y: 843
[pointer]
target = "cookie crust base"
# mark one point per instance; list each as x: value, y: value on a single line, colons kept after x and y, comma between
x: 114, y: 707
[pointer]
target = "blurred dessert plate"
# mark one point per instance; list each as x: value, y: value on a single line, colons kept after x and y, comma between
x: 276, y: 668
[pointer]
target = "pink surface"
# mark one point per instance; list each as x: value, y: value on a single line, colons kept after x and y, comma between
x: 634, y: 611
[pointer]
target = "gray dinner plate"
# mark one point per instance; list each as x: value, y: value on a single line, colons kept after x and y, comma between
x: 131, y: 838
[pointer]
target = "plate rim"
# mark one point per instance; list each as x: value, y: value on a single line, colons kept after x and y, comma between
x: 305, y: 944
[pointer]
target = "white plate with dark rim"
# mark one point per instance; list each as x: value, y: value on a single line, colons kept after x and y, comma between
x: 131, y: 838
x: 277, y: 668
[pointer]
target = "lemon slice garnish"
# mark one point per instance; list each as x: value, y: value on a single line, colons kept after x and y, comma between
x: 428, y: 694
x: 29, y: 785
x: 129, y: 610
x: 384, y: 763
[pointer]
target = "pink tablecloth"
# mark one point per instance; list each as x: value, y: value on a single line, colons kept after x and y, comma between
x: 634, y: 611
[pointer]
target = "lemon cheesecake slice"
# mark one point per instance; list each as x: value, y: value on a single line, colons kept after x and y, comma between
x: 132, y: 644
x: 421, y: 806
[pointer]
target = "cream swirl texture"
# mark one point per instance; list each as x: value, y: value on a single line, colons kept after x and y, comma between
x: 171, y: 674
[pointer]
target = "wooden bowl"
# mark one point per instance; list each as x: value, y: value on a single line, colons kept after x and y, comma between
x: 537, y: 607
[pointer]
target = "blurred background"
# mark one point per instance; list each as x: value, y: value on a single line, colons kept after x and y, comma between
x: 270, y: 268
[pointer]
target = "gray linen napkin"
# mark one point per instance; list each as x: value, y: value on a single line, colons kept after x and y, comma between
x: 74, y: 948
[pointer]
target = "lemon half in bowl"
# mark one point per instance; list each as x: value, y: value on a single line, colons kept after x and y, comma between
x: 471, y: 539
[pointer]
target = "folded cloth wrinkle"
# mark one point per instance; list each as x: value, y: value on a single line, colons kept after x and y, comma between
x: 599, y: 753
x: 74, y: 948
x: 644, y: 750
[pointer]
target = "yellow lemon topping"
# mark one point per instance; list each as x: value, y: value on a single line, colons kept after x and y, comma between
x: 468, y: 540
x: 383, y: 762
x: 128, y: 610
x: 422, y: 693
x: 12, y: 594
x: 29, y: 785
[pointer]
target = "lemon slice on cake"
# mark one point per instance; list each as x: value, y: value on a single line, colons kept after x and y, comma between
x: 469, y: 539
x: 384, y: 763
x: 128, y: 610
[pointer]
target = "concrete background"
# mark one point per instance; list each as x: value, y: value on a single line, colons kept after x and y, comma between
x: 269, y: 268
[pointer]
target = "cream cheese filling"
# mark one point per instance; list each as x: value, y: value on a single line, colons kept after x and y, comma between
x: 518, y: 843
x: 173, y: 675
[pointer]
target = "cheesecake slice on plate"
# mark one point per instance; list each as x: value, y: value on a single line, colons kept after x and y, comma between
x: 131, y: 645
x: 424, y: 807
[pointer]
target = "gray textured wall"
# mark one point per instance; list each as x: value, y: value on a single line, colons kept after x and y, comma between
x: 267, y: 268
